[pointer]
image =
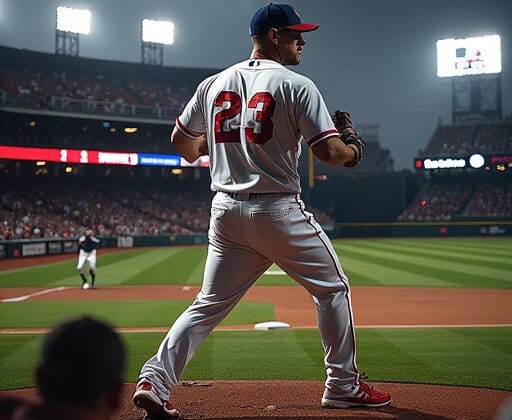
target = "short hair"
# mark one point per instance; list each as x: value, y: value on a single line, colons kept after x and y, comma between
x: 81, y: 359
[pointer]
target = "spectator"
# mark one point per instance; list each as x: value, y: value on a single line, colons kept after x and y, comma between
x: 79, y: 376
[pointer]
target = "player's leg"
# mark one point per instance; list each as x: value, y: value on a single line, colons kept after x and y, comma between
x: 82, y: 257
x: 92, y: 266
x: 284, y: 231
x: 230, y: 270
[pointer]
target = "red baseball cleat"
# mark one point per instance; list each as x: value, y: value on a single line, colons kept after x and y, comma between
x: 146, y: 398
x: 366, y: 396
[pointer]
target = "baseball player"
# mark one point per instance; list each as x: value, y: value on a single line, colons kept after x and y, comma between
x: 87, y: 245
x: 253, y: 116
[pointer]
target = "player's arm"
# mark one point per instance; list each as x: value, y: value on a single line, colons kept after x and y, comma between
x: 333, y: 151
x: 188, y: 147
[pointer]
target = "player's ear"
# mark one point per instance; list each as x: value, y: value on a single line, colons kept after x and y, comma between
x: 273, y: 35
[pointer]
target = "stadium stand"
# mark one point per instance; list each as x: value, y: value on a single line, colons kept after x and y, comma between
x: 461, y: 139
x: 30, y: 80
x: 68, y: 209
x: 437, y: 201
x: 490, y: 200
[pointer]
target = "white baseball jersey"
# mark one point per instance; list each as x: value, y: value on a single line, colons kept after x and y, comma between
x: 254, y: 133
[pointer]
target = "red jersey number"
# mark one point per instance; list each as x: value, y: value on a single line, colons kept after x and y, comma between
x: 235, y: 106
x: 258, y: 131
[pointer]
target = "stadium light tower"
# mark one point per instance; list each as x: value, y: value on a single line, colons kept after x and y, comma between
x: 474, y: 65
x: 156, y: 34
x: 70, y: 23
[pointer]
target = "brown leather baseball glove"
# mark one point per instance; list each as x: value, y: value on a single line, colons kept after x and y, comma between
x: 349, y: 136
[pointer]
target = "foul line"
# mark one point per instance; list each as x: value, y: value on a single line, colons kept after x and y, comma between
x: 25, y: 297
x: 228, y: 329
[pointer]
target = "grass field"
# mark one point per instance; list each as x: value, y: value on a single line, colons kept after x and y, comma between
x: 459, y: 356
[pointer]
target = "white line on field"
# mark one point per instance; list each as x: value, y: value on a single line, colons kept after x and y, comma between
x: 275, y: 272
x: 25, y: 297
x: 164, y: 329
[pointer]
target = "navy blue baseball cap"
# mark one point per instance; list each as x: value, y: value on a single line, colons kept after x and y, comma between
x: 278, y: 16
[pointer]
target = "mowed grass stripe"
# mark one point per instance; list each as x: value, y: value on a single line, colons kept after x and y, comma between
x: 490, y: 246
x: 60, y: 273
x: 434, y: 268
x: 454, y: 355
x: 364, y: 271
x: 121, y: 271
x: 39, y: 275
x: 474, y: 246
x: 494, y: 266
x: 133, y: 313
x: 174, y: 266
x: 295, y: 354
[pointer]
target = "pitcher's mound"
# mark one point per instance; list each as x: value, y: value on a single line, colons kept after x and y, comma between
x: 301, y: 400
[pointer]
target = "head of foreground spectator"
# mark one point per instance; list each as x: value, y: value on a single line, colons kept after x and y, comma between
x: 82, y: 367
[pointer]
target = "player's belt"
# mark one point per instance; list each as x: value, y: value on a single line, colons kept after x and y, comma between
x: 243, y: 196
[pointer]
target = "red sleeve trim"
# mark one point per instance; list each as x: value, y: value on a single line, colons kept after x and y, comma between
x: 322, y: 136
x: 185, y: 130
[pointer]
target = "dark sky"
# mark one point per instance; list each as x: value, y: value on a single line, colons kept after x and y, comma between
x: 374, y: 58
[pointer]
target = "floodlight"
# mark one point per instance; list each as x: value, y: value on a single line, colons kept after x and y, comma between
x: 158, y: 31
x: 73, y: 20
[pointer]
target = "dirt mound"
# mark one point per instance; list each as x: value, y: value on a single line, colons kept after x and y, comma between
x: 301, y: 400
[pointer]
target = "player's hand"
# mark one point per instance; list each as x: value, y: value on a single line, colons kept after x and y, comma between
x: 349, y: 136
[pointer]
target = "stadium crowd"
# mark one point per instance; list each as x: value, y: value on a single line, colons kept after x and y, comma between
x: 68, y: 212
x: 447, y: 200
x: 67, y: 92
x: 490, y: 200
x: 463, y: 139
x: 122, y: 210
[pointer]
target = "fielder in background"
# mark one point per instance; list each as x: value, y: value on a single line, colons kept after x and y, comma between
x: 251, y: 119
x: 87, y: 245
x: 80, y: 375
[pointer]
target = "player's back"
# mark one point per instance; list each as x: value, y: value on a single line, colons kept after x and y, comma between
x: 252, y: 113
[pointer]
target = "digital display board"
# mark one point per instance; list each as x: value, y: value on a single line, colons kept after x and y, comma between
x: 97, y: 157
x: 469, y: 56
x: 500, y: 161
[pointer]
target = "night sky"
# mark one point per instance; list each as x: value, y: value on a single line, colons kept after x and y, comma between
x: 374, y: 58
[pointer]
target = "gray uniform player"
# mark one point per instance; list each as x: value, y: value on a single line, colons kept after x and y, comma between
x: 87, y: 245
x: 253, y: 116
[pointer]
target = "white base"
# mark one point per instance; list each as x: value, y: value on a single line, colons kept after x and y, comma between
x: 271, y: 325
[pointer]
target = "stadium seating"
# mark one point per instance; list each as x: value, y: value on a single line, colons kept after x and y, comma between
x: 462, y: 139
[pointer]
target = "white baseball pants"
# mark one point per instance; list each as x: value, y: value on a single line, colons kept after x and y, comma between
x: 84, y: 257
x: 248, y: 232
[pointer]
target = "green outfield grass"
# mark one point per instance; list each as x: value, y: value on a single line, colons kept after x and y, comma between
x: 479, y: 357
x: 132, y: 313
x: 446, y: 262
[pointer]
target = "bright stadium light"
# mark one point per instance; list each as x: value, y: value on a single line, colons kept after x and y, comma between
x: 469, y: 56
x: 73, y: 20
x: 158, y: 31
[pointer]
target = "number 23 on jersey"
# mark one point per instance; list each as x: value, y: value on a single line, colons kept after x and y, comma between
x: 258, y: 130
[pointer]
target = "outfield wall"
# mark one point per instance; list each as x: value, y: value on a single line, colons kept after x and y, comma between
x: 423, y: 229
x: 44, y: 246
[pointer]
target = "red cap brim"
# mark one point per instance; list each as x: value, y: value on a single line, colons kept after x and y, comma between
x: 304, y: 27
